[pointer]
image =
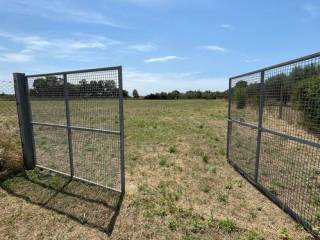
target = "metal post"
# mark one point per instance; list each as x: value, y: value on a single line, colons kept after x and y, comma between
x: 121, y: 114
x: 229, y: 121
x: 260, y: 126
x: 66, y: 100
x: 25, y: 120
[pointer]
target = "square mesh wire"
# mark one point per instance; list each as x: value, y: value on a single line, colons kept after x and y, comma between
x: 243, y: 148
x: 52, y: 148
x: 245, y: 98
x: 96, y: 157
x: 292, y: 102
x: 291, y: 172
x: 9, y: 126
x: 76, y: 118
x: 47, y: 99
x: 287, y: 140
x: 8, y: 107
x: 94, y: 99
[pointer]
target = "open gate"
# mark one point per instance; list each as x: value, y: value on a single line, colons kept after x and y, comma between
x: 72, y: 123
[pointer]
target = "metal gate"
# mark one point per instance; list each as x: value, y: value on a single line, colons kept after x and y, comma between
x: 72, y: 123
x: 274, y: 135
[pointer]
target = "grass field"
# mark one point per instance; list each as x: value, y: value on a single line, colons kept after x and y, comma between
x: 179, y: 186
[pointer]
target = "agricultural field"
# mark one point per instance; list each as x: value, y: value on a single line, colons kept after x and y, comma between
x: 178, y: 184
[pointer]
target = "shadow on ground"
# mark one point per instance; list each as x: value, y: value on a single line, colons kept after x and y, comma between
x: 88, y: 204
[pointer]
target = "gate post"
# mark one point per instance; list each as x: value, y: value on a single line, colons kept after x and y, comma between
x: 121, y: 114
x: 25, y: 120
x: 229, y: 130
x: 260, y: 125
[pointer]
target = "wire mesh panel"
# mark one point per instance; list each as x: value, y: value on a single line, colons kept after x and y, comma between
x: 245, y: 98
x: 290, y: 171
x: 47, y: 99
x: 96, y: 157
x: 292, y: 97
x: 52, y: 148
x: 274, y: 138
x: 95, y: 118
x: 243, y: 148
x: 10, y: 145
x: 77, y: 120
x: 48, y: 112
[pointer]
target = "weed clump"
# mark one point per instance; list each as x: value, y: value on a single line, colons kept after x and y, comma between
x: 172, y: 225
x: 196, y: 224
x: 205, y: 187
x: 253, y: 236
x: 163, y: 162
x: 172, y: 149
x: 284, y: 234
x: 228, y: 226
x: 205, y: 159
x: 222, y: 198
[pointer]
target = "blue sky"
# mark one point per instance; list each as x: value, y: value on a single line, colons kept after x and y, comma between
x: 162, y: 44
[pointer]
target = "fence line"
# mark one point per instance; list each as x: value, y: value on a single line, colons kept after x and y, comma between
x: 10, y: 144
x: 274, y: 135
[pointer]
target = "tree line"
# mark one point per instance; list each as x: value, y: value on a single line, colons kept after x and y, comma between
x: 53, y: 86
x: 299, y: 88
x: 187, y: 95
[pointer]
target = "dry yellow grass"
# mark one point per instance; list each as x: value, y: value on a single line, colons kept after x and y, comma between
x: 179, y: 186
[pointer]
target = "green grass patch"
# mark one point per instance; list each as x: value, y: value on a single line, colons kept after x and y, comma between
x: 228, y: 226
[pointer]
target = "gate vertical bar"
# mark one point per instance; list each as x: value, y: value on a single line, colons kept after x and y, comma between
x: 25, y: 120
x: 261, y: 108
x: 121, y: 114
x: 66, y: 100
x: 229, y: 121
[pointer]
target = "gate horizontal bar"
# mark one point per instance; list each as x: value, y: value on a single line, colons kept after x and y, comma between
x: 280, y: 134
x: 75, y: 71
x: 279, y: 65
x: 77, y: 128
x: 244, y: 123
x: 95, y: 130
x: 49, y: 125
x: 78, y: 178
x: 290, y: 137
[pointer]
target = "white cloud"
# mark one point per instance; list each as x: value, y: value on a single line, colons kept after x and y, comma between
x: 59, y: 10
x: 83, y: 45
x: 213, y: 48
x: 163, y: 59
x: 31, y: 42
x: 15, y: 57
x: 312, y: 9
x: 224, y: 25
x: 143, y: 47
x: 59, y: 47
x: 147, y: 82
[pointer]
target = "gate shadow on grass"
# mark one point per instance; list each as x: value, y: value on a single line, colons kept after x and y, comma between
x: 87, y: 204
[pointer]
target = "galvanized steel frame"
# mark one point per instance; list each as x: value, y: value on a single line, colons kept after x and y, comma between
x: 26, y: 123
x: 260, y: 130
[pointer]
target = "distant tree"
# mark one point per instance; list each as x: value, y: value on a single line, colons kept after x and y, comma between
x: 240, y: 92
x: 306, y: 96
x: 174, y: 94
x: 135, y: 93
x: 125, y: 93
x: 188, y: 95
